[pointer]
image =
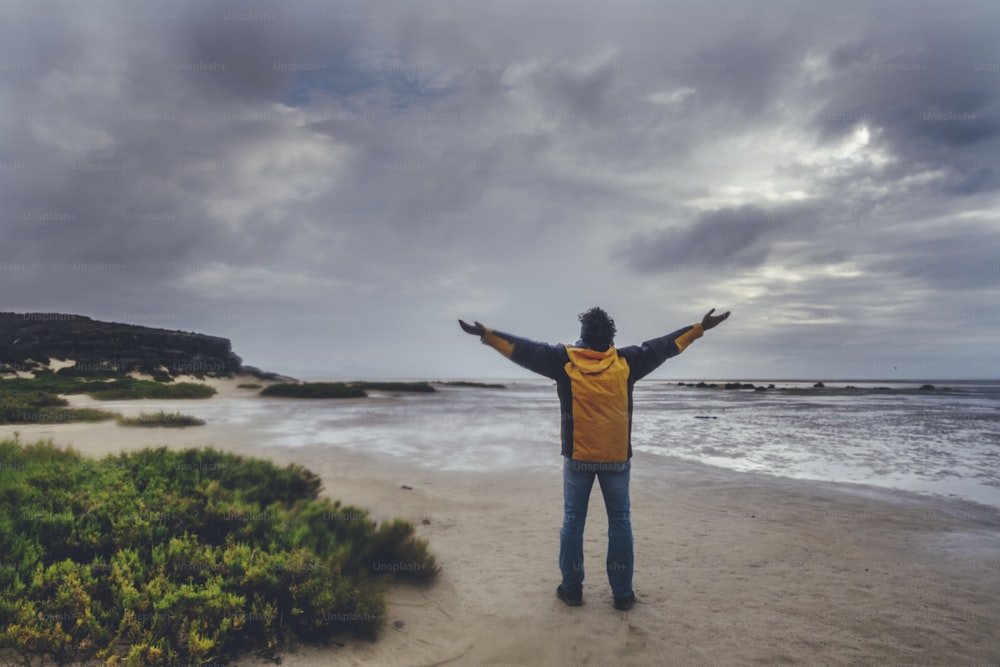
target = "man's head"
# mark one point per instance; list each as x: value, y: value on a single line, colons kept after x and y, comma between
x: 597, y: 329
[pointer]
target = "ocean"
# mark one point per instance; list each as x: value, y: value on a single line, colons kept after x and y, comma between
x: 941, y: 441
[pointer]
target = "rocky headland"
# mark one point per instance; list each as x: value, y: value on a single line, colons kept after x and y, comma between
x: 29, y: 342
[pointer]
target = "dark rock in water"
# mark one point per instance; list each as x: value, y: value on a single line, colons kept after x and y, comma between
x: 465, y: 383
x: 926, y: 387
x: 770, y: 386
x: 760, y: 388
x: 818, y: 385
x: 29, y: 341
x: 704, y: 417
x: 262, y: 375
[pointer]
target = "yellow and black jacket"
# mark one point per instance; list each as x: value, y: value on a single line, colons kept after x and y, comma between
x: 595, y: 388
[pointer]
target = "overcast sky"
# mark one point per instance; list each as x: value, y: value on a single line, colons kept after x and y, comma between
x: 331, y: 185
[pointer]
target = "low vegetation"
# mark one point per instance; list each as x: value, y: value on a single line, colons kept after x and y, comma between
x: 115, y: 389
x: 130, y: 388
x: 38, y: 399
x: 113, y: 371
x: 20, y: 413
x: 23, y: 405
x: 161, y: 418
x: 249, y: 385
x: 160, y: 557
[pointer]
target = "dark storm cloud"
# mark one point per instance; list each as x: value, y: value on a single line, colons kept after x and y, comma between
x: 724, y: 239
x: 928, y: 87
x: 741, y: 74
x: 308, y: 170
x: 132, y: 130
x: 580, y: 95
x: 958, y: 257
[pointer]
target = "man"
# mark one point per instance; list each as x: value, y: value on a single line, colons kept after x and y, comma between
x: 594, y: 382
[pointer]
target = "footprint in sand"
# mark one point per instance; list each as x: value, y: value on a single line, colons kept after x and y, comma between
x: 636, y: 640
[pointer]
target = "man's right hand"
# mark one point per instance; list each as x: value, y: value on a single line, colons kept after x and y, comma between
x: 476, y: 329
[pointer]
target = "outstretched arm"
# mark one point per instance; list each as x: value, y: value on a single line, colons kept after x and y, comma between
x: 644, y: 359
x: 537, y: 357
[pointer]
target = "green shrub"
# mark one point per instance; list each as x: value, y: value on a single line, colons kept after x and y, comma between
x: 103, y: 371
x: 115, y: 389
x: 46, y: 381
x: 161, y: 418
x: 249, y: 385
x: 26, y: 404
x: 130, y: 388
x: 76, y: 415
x: 157, y: 557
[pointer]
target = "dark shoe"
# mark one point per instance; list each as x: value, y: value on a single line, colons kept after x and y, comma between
x: 572, y: 598
x: 625, y: 603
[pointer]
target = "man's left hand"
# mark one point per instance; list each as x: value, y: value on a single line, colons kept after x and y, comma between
x: 710, y: 321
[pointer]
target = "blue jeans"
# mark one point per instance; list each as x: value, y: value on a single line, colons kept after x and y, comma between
x: 578, y: 479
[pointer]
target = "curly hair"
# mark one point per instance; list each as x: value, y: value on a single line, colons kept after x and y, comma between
x: 597, y: 329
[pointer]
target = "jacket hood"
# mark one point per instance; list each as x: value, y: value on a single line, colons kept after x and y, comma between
x: 591, y: 361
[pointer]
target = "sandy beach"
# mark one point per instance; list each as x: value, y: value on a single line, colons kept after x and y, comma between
x: 731, y: 568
